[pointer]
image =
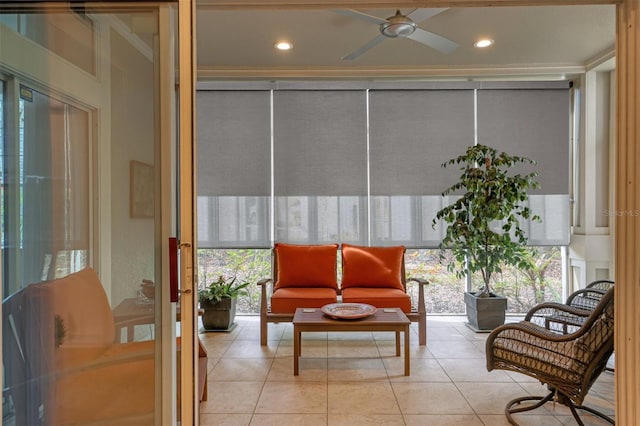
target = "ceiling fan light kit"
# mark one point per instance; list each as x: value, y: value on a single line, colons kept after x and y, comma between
x: 398, y: 26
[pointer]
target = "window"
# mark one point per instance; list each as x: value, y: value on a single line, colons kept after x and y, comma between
x: 361, y: 162
x: 234, y: 168
x: 45, y: 190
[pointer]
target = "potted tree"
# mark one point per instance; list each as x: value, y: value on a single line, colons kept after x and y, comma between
x: 218, y: 301
x: 483, y: 229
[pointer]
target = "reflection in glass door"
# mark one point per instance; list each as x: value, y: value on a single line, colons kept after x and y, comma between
x: 88, y: 203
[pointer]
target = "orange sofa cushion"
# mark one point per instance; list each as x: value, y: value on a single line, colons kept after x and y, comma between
x: 378, y: 297
x: 372, y: 266
x: 286, y: 300
x: 306, y: 265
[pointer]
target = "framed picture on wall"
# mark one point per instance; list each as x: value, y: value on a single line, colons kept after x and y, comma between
x: 141, y: 180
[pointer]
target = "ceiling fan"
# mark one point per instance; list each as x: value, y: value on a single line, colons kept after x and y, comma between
x: 400, y: 25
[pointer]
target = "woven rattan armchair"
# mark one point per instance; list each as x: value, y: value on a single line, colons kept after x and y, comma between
x: 568, y: 363
x: 555, y: 317
x: 603, y: 285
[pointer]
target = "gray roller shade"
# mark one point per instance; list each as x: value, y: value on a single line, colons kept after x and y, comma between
x: 531, y: 123
x: 233, y: 154
x: 412, y: 132
x: 534, y: 123
x: 320, y: 142
x: 233, y: 142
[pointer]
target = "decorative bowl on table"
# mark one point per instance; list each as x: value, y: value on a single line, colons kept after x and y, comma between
x: 348, y: 310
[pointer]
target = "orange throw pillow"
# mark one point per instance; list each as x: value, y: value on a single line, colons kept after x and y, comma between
x: 372, y: 266
x: 306, y: 265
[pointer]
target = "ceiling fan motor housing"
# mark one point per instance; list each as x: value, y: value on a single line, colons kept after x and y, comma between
x: 398, y: 26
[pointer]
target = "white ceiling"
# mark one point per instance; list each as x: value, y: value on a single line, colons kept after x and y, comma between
x: 547, y: 41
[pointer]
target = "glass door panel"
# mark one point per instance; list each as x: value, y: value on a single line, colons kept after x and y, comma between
x: 88, y: 172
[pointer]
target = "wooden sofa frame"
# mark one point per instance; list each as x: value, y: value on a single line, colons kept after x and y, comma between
x: 418, y: 312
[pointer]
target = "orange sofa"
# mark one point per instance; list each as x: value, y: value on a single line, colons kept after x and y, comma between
x: 306, y: 276
x: 66, y: 367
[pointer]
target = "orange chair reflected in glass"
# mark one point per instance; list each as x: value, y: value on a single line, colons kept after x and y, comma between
x: 68, y: 365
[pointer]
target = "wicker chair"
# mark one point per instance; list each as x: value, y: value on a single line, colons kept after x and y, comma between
x: 603, y: 285
x: 568, y: 364
x: 553, y: 317
x: 588, y: 297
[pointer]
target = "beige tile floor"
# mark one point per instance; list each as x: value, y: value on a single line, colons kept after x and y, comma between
x: 355, y: 379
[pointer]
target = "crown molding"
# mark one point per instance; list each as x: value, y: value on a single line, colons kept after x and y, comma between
x: 462, y: 73
x: 386, y: 4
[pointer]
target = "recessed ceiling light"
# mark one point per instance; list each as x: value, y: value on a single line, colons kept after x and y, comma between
x: 284, y: 45
x: 483, y: 42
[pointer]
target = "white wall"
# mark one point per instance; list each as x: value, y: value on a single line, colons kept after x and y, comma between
x: 590, y: 252
x: 132, y: 138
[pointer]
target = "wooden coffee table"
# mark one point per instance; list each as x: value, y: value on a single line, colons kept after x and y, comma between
x: 309, y: 320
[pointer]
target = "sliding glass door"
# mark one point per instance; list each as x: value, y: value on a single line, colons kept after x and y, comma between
x: 90, y: 198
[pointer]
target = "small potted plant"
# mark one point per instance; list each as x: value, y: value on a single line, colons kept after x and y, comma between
x: 483, y: 229
x: 218, y: 301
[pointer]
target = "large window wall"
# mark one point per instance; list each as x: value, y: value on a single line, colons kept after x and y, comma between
x: 360, y: 162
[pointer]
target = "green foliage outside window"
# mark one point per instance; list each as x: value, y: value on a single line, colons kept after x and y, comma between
x: 247, y: 265
x: 524, y: 288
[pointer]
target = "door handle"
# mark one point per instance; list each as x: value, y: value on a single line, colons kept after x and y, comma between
x: 174, y: 288
x: 173, y: 269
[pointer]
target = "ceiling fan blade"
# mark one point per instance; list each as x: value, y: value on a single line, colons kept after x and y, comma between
x: 372, y: 43
x: 420, y: 15
x: 436, y: 41
x: 360, y: 15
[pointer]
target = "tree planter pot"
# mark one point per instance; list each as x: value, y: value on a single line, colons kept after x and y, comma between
x: 218, y: 316
x: 485, y: 313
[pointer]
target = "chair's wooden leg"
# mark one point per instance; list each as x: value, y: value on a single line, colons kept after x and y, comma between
x: 203, y: 367
x: 297, y: 350
x: 263, y: 330
x: 407, y: 354
x: 263, y: 311
x: 422, y: 330
x: 205, y: 392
